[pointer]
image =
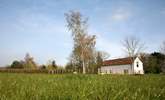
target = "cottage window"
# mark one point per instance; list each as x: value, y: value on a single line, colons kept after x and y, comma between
x: 106, y: 71
x: 137, y: 64
x: 110, y: 71
x: 125, y: 71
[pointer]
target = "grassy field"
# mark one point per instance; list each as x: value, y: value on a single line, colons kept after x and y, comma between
x: 81, y: 87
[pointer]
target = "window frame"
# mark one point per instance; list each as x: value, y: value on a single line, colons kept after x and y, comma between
x: 137, y: 64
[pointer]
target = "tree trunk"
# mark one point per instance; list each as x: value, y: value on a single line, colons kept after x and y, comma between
x: 84, y: 70
x: 132, y: 65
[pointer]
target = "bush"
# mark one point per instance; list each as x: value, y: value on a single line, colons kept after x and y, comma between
x: 16, y: 64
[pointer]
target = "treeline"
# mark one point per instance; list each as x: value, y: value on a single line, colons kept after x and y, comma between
x: 154, y: 62
x: 29, y: 64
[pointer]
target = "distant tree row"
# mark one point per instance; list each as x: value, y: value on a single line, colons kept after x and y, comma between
x: 29, y: 63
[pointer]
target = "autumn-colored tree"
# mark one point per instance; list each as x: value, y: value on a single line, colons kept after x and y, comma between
x: 51, y: 65
x: 84, y: 44
x: 29, y: 62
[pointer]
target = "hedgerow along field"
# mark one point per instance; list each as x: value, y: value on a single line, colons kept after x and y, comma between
x: 16, y: 86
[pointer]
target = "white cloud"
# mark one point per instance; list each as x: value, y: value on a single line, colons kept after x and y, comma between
x: 121, y: 14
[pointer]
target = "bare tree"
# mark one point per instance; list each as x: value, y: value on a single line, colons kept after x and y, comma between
x: 133, y: 46
x: 104, y: 55
x: 84, y: 44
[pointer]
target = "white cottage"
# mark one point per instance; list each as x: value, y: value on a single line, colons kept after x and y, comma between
x: 122, y: 66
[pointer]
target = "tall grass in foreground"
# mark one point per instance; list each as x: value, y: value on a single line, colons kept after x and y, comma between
x: 15, y: 86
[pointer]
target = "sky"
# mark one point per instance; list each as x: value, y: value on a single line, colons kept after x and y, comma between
x: 38, y: 27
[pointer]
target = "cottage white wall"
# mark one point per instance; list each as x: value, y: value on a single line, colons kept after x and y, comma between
x: 116, y: 69
x: 138, y: 69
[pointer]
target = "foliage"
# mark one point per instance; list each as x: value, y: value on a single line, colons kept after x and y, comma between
x: 29, y: 63
x: 69, y: 66
x: 74, y: 63
x: 154, y: 63
x: 81, y: 87
x: 17, y: 64
x: 42, y: 67
x: 51, y: 65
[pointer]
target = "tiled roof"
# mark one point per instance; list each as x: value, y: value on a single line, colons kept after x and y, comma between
x: 120, y: 61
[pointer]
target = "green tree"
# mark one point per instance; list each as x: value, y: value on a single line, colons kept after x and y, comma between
x: 42, y: 67
x: 99, y: 60
x: 54, y: 64
x: 160, y: 61
x: 16, y: 64
x: 154, y: 63
x: 69, y: 66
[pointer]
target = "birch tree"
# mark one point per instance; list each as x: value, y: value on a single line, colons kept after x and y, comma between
x: 84, y: 43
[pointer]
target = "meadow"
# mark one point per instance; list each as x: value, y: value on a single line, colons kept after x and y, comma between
x: 19, y: 86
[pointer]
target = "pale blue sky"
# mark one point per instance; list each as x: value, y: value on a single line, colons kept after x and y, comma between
x: 39, y: 26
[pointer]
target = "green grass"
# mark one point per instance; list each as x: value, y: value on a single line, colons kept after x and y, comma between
x: 81, y: 87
